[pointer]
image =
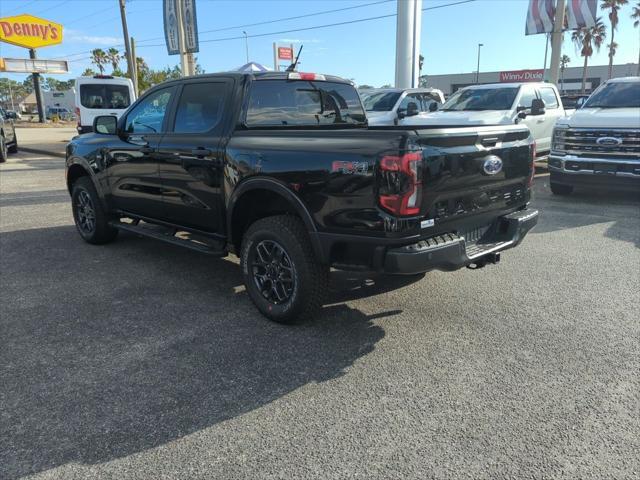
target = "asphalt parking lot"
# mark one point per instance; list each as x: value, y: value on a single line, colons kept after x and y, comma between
x: 141, y: 360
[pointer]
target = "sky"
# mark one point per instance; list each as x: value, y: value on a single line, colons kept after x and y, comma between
x: 363, y: 51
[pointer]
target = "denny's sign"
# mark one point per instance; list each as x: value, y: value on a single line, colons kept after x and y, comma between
x: 30, y: 32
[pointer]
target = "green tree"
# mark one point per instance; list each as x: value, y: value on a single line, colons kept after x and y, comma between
x: 114, y: 57
x: 88, y: 72
x: 99, y: 58
x: 613, y: 6
x: 585, y: 39
x: 365, y: 87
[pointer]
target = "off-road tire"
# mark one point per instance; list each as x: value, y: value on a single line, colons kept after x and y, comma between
x: 83, y: 190
x: 310, y: 277
x: 559, y: 189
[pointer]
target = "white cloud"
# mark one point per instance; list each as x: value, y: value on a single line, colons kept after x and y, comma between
x: 77, y: 36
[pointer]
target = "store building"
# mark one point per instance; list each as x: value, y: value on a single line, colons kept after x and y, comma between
x: 572, y: 82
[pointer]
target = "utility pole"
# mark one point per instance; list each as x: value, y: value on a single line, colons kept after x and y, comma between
x: 36, y: 89
x: 127, y: 46
x: 478, y: 67
x: 134, y: 72
x: 408, y: 28
x: 184, y: 63
x: 556, y: 42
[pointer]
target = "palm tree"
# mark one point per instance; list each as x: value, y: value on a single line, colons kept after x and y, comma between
x: 636, y: 16
x: 113, y: 56
x: 99, y: 57
x: 613, y: 6
x: 585, y: 39
x: 564, y: 61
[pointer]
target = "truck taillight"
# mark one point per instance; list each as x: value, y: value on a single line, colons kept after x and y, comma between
x: 400, y: 185
x: 78, y: 115
x: 306, y: 76
x: 533, y: 163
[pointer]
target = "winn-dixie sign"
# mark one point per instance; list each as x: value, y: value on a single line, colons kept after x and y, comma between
x: 29, y: 31
x: 522, y: 76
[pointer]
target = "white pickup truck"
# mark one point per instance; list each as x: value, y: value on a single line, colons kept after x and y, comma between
x: 599, y: 145
x: 394, y: 106
x: 536, y: 105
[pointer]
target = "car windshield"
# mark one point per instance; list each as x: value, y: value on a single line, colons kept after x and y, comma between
x: 500, y: 98
x: 380, y: 101
x: 616, y: 95
x: 104, y: 96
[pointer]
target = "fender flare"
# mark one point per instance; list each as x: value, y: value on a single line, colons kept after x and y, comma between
x: 261, y: 183
x: 76, y: 162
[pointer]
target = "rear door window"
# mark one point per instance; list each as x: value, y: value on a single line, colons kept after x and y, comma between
x: 200, y: 108
x: 104, y: 96
x: 303, y: 103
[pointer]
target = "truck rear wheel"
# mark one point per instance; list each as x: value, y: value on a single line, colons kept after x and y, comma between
x: 281, y: 273
x: 91, y: 220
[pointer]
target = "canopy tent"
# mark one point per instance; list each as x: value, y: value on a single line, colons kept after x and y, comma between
x: 253, y: 67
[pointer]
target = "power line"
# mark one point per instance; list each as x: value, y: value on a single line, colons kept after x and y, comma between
x: 315, y: 27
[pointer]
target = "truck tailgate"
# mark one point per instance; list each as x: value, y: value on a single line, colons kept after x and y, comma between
x: 469, y: 171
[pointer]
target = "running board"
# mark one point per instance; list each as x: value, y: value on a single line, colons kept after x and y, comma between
x: 168, y: 235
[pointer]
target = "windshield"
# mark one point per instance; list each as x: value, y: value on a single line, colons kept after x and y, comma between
x: 616, y: 95
x: 380, y: 101
x: 303, y: 103
x: 500, y: 98
x: 104, y: 96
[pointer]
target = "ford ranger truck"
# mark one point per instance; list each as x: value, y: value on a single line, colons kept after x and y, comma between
x: 599, y: 145
x: 282, y: 170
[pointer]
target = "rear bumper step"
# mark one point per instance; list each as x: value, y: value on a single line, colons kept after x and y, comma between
x: 452, y: 251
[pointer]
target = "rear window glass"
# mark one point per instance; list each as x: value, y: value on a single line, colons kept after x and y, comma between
x: 303, y: 103
x: 104, y: 96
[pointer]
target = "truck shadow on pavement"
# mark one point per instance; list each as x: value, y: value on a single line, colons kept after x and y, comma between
x: 113, y: 350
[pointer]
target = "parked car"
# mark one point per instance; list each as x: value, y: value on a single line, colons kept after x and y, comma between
x: 101, y: 95
x: 390, y: 106
x: 8, y: 138
x: 282, y: 169
x: 536, y: 105
x: 599, y: 145
x: 571, y: 103
x: 60, y: 113
x: 13, y: 115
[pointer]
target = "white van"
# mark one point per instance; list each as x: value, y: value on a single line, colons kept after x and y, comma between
x: 101, y: 95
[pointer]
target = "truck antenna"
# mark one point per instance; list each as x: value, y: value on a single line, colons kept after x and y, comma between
x: 292, y: 67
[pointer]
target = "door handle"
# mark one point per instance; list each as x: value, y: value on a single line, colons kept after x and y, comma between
x: 201, y: 152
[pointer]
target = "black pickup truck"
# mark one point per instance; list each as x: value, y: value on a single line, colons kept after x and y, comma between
x: 282, y: 170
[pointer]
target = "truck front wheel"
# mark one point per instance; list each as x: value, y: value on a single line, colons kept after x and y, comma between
x: 90, y: 218
x: 281, y: 273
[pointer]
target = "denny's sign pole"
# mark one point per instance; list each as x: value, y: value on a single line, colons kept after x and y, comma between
x: 31, y: 32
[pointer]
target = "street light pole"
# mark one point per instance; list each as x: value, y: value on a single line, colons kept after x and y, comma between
x: 246, y: 44
x: 478, y: 68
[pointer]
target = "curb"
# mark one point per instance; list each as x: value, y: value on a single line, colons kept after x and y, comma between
x: 41, y: 151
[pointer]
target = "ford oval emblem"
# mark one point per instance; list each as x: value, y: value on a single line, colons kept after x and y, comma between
x: 609, y: 141
x: 492, y: 165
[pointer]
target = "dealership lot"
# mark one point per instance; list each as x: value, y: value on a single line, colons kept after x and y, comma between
x: 140, y: 357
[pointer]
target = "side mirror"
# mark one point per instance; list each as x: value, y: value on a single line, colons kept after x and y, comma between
x: 537, y: 106
x: 412, y: 109
x: 105, y: 124
x: 522, y: 114
x: 580, y: 102
x: 433, y: 106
